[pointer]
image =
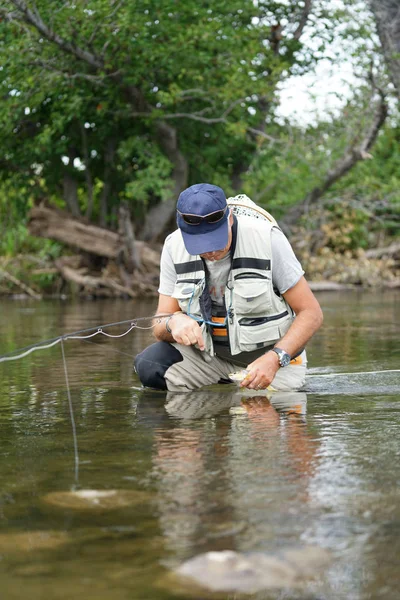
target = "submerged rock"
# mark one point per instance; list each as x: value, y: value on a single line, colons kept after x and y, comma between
x: 97, y: 500
x: 28, y: 541
x: 229, y: 571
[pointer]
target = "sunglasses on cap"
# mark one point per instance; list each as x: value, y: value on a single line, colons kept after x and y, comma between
x: 211, y: 218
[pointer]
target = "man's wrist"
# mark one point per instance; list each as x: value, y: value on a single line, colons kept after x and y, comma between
x: 168, y: 319
x: 283, y: 357
x: 167, y: 327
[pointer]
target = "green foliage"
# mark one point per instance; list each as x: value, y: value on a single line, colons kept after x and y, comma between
x: 120, y: 69
x: 17, y: 240
x: 376, y: 181
x: 14, y: 235
x: 150, y: 171
x: 84, y: 113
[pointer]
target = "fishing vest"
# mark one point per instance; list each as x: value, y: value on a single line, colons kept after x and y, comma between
x: 256, y: 316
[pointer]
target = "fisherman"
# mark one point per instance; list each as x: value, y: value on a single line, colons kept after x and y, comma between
x: 234, y: 296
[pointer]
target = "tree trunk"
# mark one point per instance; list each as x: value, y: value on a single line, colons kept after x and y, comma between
x: 387, y: 17
x: 70, y: 188
x: 159, y: 216
x: 70, y: 185
x: 131, y: 258
x: 88, y: 175
x: 106, y: 191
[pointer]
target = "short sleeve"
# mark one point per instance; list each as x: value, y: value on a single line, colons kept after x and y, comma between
x: 286, y: 269
x: 167, y: 270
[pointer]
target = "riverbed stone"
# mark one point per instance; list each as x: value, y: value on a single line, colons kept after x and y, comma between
x: 95, y: 500
x: 229, y: 571
x: 30, y: 541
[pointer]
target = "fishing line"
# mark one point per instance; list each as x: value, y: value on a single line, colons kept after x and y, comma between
x: 71, y: 414
x: 75, y: 335
x: 354, y: 373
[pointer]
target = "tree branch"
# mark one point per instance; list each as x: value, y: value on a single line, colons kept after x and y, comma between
x: 96, y: 79
x: 32, y: 17
x: 198, y: 116
x: 303, y: 19
x: 351, y: 157
x: 4, y: 274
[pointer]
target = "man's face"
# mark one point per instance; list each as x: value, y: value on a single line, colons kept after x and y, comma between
x: 218, y: 254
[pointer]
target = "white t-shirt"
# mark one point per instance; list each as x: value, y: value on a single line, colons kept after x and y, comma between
x: 286, y: 269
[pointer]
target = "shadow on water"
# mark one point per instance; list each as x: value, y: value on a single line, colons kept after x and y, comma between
x: 185, y: 474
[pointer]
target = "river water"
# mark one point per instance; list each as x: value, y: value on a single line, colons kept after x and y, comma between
x: 207, y: 471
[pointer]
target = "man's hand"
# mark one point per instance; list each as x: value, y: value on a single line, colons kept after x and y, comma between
x: 186, y: 330
x: 261, y: 372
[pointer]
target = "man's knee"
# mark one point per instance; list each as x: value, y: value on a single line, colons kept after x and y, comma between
x: 152, y: 364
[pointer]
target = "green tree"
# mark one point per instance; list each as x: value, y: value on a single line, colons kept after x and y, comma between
x: 105, y: 101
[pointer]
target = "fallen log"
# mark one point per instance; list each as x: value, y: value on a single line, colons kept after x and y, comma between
x: 126, y: 267
x: 60, y: 226
x: 92, y: 284
x: 76, y: 232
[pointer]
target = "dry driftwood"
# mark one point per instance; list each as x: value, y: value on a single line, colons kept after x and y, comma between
x: 62, y: 227
x: 98, y: 286
x: 391, y: 250
x: 132, y: 266
x: 90, y: 283
x: 25, y: 288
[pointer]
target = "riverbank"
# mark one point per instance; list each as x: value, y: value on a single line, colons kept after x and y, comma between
x: 28, y: 275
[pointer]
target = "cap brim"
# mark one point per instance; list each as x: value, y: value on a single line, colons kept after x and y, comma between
x: 210, y: 241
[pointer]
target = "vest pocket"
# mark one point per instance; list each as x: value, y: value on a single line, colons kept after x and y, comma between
x: 184, y: 292
x: 187, y: 293
x: 251, y: 337
x: 252, y: 294
x: 258, y: 332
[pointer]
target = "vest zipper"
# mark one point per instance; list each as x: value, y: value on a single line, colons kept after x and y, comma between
x: 248, y: 322
x: 250, y: 276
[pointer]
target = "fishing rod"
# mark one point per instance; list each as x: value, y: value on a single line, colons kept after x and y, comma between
x: 79, y: 335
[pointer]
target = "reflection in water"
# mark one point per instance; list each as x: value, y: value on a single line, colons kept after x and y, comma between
x: 251, y: 446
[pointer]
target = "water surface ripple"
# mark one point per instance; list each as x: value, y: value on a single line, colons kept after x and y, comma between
x: 213, y: 470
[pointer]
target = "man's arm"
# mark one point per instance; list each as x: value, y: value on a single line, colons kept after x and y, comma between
x: 184, y: 329
x: 307, y: 321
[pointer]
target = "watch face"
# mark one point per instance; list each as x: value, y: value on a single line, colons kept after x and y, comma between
x: 284, y: 359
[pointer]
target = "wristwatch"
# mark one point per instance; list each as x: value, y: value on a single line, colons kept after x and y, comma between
x: 167, y: 327
x: 284, y: 357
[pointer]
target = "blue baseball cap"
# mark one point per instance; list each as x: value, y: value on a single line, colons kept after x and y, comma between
x: 202, y: 199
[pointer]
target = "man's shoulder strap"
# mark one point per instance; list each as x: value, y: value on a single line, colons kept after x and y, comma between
x: 242, y: 205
